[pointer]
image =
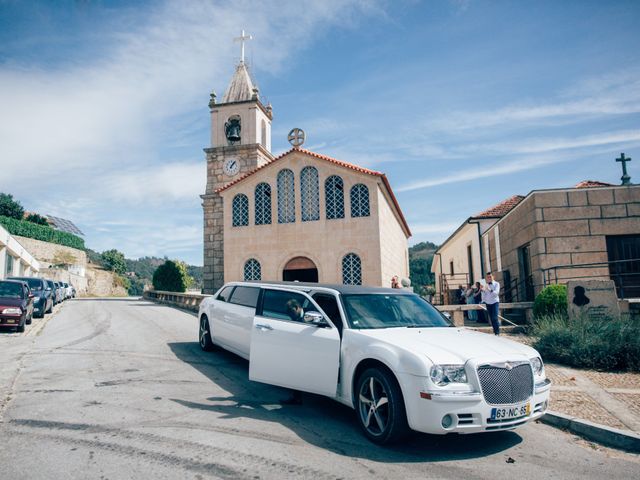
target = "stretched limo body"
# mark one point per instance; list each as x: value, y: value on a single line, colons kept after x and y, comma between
x: 386, y: 353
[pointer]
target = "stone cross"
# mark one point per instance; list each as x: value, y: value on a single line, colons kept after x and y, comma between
x: 626, y: 179
x: 242, y: 38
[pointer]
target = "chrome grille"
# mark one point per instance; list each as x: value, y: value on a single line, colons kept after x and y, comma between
x: 506, y: 384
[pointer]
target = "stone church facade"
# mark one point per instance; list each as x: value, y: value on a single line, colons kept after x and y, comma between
x: 301, y: 216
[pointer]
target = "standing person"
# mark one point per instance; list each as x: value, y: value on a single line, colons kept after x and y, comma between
x: 468, y: 295
x: 490, y: 297
x: 395, y: 283
x: 461, y: 298
x: 477, y: 299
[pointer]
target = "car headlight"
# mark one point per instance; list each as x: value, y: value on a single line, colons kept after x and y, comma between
x: 538, y: 367
x: 446, y: 374
x: 12, y: 311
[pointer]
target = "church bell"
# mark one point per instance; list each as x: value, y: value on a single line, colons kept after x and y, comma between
x: 232, y: 130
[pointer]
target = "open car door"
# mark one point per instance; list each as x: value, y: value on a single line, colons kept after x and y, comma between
x: 289, y: 352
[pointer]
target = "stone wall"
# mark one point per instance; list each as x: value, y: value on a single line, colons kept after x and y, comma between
x: 568, y: 227
x: 45, y: 251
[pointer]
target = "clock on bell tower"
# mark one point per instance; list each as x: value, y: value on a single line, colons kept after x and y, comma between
x: 240, y: 143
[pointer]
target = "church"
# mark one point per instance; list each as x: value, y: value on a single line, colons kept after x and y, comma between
x: 298, y: 216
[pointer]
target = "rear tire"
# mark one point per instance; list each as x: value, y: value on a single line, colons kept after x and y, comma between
x: 206, y: 343
x: 380, y: 407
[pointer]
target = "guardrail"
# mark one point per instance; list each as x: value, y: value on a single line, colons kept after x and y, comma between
x: 191, y: 301
x: 188, y: 301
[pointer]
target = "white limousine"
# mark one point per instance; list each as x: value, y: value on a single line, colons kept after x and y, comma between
x: 387, y: 353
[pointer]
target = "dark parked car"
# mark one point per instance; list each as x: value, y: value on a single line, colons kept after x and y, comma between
x: 16, y: 304
x: 43, y: 295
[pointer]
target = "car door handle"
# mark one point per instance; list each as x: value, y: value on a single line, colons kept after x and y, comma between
x: 263, y: 326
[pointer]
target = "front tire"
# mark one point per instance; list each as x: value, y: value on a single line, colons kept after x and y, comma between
x: 206, y: 343
x: 380, y: 407
x: 20, y: 328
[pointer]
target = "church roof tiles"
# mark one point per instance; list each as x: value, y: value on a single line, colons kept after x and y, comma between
x: 592, y: 183
x: 335, y: 161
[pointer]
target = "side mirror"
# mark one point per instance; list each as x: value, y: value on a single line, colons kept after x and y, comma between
x: 31, y: 295
x: 315, y: 318
x: 48, y: 289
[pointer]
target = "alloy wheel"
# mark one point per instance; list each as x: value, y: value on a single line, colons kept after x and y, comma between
x: 373, y: 406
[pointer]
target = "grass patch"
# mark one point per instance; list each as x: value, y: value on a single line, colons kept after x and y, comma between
x: 607, y: 344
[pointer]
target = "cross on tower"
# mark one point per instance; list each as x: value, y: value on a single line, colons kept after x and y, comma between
x: 242, y: 38
x: 626, y: 179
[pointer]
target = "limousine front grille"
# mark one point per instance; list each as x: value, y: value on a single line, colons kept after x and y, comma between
x: 505, y: 384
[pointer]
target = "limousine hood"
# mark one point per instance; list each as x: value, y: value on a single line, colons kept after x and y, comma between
x: 451, y: 345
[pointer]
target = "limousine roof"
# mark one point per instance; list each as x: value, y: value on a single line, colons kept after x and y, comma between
x: 342, y: 289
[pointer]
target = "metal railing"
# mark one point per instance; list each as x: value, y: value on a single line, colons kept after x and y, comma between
x: 624, y: 273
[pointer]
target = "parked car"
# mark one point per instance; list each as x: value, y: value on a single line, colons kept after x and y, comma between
x: 59, y: 292
x: 68, y: 291
x: 16, y: 304
x: 387, y: 353
x: 43, y: 295
x: 52, y: 286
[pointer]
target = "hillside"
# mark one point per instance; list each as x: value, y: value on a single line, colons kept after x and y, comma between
x: 420, y: 260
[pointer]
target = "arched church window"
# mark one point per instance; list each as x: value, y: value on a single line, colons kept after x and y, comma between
x: 310, y: 194
x: 240, y: 210
x: 351, y: 269
x: 360, y: 201
x: 263, y: 133
x: 334, y: 197
x: 263, y: 204
x: 286, y: 197
x: 252, y: 270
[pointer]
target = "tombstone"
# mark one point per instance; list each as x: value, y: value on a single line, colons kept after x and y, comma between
x: 595, y: 299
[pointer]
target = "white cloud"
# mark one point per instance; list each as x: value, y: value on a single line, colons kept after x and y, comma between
x: 94, y: 134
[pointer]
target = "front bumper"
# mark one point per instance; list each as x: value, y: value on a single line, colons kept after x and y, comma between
x: 469, y: 412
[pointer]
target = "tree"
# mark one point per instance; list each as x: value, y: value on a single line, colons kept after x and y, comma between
x: 114, y: 260
x: 172, y: 276
x: 39, y: 219
x: 420, y: 273
x: 10, y: 207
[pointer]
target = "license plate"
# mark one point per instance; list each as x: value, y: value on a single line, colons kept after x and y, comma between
x: 506, y: 413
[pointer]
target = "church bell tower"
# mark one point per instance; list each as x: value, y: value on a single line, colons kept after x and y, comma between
x: 240, y: 143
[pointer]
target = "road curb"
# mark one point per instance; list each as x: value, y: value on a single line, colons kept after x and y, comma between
x: 612, y: 437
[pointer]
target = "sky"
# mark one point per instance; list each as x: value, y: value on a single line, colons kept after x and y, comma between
x: 462, y: 103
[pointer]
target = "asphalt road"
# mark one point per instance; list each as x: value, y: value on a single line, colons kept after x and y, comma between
x: 115, y: 389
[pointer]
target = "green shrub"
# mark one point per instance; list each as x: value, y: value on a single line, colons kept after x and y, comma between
x: 38, y: 219
x: 40, y: 232
x: 172, y: 276
x: 552, y: 300
x: 603, y: 344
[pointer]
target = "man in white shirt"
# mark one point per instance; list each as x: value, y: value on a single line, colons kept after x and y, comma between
x: 490, y: 297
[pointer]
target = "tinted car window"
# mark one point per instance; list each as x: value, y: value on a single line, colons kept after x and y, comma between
x: 34, y: 283
x: 224, y: 295
x: 11, y: 290
x: 281, y: 305
x: 329, y: 304
x: 246, y: 296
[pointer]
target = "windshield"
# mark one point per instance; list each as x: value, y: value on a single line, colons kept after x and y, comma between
x: 389, y: 310
x: 10, y: 290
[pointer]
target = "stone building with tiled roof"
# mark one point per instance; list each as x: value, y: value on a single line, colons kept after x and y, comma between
x: 590, y: 231
x: 299, y: 216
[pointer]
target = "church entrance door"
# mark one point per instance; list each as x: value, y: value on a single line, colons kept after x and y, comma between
x: 300, y: 269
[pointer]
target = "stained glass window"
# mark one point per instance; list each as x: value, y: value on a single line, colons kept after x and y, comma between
x: 240, y: 210
x: 252, y: 270
x: 334, y: 197
x: 263, y: 204
x: 359, y: 200
x: 286, y: 197
x: 310, y: 194
x: 351, y: 269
